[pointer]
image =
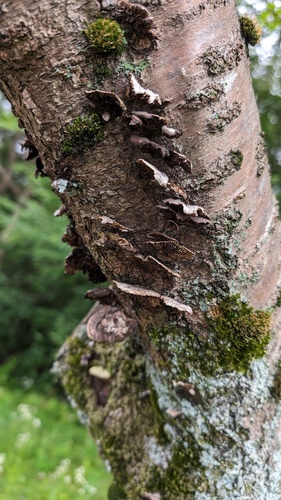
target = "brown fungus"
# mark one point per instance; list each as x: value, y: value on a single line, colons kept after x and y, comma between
x: 153, y: 123
x: 171, y: 251
x: 60, y: 211
x: 172, y: 158
x: 137, y: 291
x: 113, y: 225
x: 103, y: 295
x: 164, y: 268
x: 149, y: 146
x: 108, y: 104
x: 184, y: 209
x: 160, y: 177
x: 71, y: 237
x: 138, y: 25
x: 138, y: 92
x: 109, y: 324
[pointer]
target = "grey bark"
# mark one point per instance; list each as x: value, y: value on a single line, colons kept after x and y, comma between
x: 174, y: 207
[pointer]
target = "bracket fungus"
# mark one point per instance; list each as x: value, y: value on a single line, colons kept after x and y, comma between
x: 113, y: 225
x: 171, y: 251
x: 154, y: 262
x: 181, y: 208
x: 138, y: 25
x: 138, y: 291
x: 103, y: 295
x: 153, y: 124
x: 138, y: 92
x: 109, y: 324
x: 108, y: 104
x: 172, y: 158
x: 160, y: 177
x: 60, y: 211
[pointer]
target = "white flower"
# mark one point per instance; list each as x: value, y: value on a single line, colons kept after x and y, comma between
x: 36, y: 422
x: 22, y: 439
x: 24, y: 411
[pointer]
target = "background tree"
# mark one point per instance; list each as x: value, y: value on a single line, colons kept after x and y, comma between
x: 168, y: 196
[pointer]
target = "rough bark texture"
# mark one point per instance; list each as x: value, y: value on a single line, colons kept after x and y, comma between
x: 167, y: 189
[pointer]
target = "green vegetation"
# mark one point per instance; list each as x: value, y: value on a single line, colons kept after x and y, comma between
x: 251, y: 29
x: 238, y: 333
x: 127, y: 67
x: 45, y: 453
x: 276, y: 387
x: 39, y: 304
x: 105, y: 36
x: 241, y: 333
x: 82, y: 132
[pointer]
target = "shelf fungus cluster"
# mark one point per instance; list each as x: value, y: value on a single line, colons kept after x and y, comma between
x: 154, y: 254
x: 138, y: 25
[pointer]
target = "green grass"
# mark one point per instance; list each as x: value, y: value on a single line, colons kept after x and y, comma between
x: 45, y: 453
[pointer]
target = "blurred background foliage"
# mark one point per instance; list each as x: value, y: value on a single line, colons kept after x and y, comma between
x: 40, y: 305
x: 266, y: 72
x: 44, y: 451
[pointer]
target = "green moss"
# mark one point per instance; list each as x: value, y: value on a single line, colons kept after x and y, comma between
x: 77, y: 379
x: 205, y: 96
x: 101, y: 72
x: 185, y: 474
x: 105, y: 36
x: 115, y: 492
x: 237, y: 334
x: 240, y: 332
x: 82, y: 132
x: 223, y: 117
x: 127, y: 67
x: 251, y: 29
x: 276, y: 387
x: 236, y: 158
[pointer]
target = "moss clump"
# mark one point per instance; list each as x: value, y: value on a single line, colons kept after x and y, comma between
x: 101, y: 72
x: 240, y: 332
x: 236, y: 158
x: 237, y: 334
x: 276, y: 387
x: 105, y: 36
x: 82, y: 132
x: 76, y: 381
x: 182, y: 476
x: 251, y: 29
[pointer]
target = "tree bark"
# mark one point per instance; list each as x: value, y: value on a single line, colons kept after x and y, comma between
x: 155, y: 149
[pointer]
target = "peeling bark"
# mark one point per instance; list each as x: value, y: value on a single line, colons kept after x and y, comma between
x: 164, y: 177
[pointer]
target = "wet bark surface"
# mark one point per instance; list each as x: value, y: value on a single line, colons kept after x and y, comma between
x: 170, y: 201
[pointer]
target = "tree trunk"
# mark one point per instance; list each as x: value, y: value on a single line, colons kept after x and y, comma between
x: 155, y: 149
